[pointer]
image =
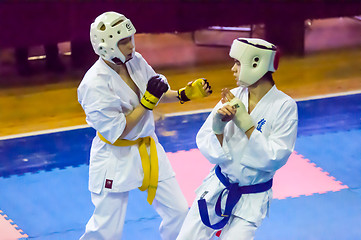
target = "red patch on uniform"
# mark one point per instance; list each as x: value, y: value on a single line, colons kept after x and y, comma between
x: 108, y: 183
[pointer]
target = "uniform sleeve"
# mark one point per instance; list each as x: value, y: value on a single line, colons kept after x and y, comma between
x: 103, y: 109
x: 272, y: 152
x: 208, y: 143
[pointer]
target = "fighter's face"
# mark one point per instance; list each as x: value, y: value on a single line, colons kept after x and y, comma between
x: 236, y: 69
x: 126, y: 46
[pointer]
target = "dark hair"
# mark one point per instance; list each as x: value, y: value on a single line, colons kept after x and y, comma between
x: 268, y: 76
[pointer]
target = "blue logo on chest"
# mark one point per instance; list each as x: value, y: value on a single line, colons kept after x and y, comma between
x: 260, y: 124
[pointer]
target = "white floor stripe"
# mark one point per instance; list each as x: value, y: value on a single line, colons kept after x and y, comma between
x: 188, y: 112
x: 328, y: 95
x: 43, y: 132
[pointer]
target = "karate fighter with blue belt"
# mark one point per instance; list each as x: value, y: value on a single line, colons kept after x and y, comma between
x: 248, y: 136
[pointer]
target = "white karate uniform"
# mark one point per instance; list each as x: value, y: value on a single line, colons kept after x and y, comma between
x: 113, y: 171
x: 245, y: 161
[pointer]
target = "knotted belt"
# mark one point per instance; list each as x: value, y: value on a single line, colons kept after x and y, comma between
x: 234, y: 194
x: 149, y: 163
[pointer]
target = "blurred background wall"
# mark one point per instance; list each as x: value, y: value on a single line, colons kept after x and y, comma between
x: 45, y: 49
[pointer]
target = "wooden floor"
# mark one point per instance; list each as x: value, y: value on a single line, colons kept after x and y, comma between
x: 46, y: 106
x: 55, y: 105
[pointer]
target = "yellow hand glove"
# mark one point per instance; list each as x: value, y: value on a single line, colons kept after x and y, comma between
x: 194, y: 90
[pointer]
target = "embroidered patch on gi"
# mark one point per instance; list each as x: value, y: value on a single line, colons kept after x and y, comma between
x: 108, y: 183
x: 260, y: 124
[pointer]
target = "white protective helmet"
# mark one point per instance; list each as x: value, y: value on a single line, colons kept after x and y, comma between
x: 105, y: 33
x: 256, y: 56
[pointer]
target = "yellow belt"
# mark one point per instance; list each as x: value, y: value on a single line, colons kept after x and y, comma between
x: 149, y: 164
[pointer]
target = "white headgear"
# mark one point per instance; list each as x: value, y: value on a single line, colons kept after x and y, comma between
x: 256, y: 56
x: 105, y: 33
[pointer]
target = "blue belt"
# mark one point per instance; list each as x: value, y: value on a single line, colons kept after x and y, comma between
x: 234, y: 194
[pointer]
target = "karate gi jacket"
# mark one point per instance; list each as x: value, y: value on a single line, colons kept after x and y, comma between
x: 106, y: 100
x: 250, y: 161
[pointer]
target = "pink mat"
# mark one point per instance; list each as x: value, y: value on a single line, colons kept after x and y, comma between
x: 8, y: 231
x: 297, y: 177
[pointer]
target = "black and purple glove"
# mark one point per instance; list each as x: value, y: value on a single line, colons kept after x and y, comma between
x: 156, y: 87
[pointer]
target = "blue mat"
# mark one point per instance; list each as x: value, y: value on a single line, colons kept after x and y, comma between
x: 338, y: 153
x: 56, y: 205
x: 45, y: 151
x: 44, y: 178
x: 335, y: 215
x: 329, y: 114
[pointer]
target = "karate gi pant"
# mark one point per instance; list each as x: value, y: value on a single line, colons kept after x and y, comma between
x: 108, y: 218
x: 236, y: 229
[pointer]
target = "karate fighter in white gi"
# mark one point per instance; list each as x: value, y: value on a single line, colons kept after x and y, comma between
x: 248, y: 136
x: 118, y: 94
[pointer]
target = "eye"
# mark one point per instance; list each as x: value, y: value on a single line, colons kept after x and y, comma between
x: 124, y: 40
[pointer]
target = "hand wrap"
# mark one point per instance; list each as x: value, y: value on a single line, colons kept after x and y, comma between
x: 242, y: 119
x: 217, y: 124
